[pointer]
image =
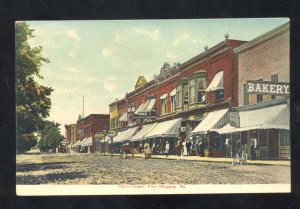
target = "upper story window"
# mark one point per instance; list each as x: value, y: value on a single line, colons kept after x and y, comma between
x: 197, y: 85
x: 173, y: 100
x: 201, y: 97
x: 179, y: 96
x: 192, y: 91
x: 164, y: 101
x: 219, y: 94
x: 185, y: 96
x: 217, y: 86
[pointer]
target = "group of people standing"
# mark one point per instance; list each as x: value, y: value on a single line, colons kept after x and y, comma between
x: 229, y: 150
x: 190, y: 146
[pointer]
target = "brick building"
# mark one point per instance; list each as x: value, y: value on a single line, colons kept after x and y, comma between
x: 181, y: 96
x: 70, y: 136
x: 87, y: 128
x: 262, y: 100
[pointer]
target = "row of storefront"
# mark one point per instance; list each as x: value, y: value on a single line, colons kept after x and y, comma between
x: 234, y: 90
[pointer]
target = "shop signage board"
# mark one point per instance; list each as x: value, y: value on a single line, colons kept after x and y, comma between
x: 267, y: 87
x: 112, y: 133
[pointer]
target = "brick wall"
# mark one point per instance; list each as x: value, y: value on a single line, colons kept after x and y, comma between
x: 261, y: 61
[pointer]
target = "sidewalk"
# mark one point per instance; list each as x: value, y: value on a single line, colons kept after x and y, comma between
x: 211, y: 159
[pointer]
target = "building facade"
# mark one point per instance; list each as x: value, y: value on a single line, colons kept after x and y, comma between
x: 87, y: 128
x: 263, y: 66
x: 181, y: 95
x: 70, y: 136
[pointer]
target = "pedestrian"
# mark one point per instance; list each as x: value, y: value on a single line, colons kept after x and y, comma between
x: 183, y: 147
x: 140, y: 147
x: 201, y: 146
x: 227, y: 147
x: 188, y: 146
x: 253, y: 145
x: 153, y: 148
x: 178, y: 147
x: 167, y: 148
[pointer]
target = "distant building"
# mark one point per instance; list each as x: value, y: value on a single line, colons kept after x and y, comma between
x: 86, y: 129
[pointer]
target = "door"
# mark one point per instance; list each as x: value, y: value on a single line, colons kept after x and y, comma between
x: 273, y: 143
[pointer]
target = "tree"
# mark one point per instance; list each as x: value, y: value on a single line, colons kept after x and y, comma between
x: 32, y: 99
x: 50, y: 136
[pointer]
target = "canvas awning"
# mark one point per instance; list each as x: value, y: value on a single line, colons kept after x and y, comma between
x: 214, y: 119
x: 125, y: 135
x: 173, y: 92
x: 87, y: 142
x: 82, y: 141
x: 148, y: 107
x: 145, y: 130
x: 139, y: 108
x: 118, y: 137
x: 165, y: 129
x: 216, y: 83
x: 274, y: 117
x: 129, y: 133
x: 123, y: 117
x: 76, y: 143
x: 163, y: 96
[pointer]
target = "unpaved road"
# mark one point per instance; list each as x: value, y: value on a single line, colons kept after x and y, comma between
x: 96, y: 169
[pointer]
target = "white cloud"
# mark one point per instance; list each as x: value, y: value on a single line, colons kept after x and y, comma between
x: 196, y: 41
x: 171, y: 55
x: 154, y: 35
x: 109, y: 86
x: 120, y: 38
x: 73, y: 35
x: 106, y: 52
x: 181, y: 37
x: 72, y: 70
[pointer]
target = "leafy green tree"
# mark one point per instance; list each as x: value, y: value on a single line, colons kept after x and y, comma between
x: 32, y: 99
x: 50, y: 136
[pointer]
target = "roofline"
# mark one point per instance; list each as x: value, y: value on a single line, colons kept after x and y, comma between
x: 264, y: 37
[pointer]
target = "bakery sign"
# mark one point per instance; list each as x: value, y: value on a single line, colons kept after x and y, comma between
x: 268, y: 87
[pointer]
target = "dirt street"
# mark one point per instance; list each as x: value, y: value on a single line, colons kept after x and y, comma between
x: 96, y: 169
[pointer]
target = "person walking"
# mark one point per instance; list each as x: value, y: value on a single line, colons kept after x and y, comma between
x: 253, y: 145
x: 167, y: 148
x: 227, y: 147
x: 188, y: 146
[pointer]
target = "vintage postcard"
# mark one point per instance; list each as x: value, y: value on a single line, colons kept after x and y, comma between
x: 153, y: 106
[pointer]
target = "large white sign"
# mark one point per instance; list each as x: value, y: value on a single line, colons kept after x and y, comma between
x: 265, y: 87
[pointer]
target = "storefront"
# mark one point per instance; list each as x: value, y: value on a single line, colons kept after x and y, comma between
x: 163, y: 132
x: 214, y: 143
x: 268, y: 122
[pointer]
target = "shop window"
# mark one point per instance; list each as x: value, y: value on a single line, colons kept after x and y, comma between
x: 217, y: 142
x: 246, y: 96
x: 274, y: 79
x: 219, y: 94
x: 285, y: 138
x: 191, y: 91
x: 263, y: 138
x: 173, y: 103
x: 164, y: 106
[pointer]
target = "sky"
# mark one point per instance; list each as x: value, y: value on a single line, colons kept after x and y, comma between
x: 102, y: 60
